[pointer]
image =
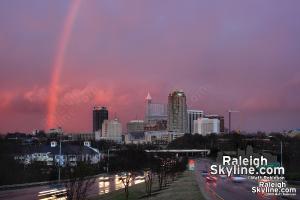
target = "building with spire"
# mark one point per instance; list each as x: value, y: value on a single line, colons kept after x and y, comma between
x: 154, y: 111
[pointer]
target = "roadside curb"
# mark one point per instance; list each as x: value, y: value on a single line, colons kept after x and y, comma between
x: 34, y: 184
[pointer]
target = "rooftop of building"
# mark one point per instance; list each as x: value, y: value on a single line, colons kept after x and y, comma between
x: 136, y: 121
x: 177, y: 92
x: 194, y: 110
x: 66, y: 149
x: 213, y: 115
x: 100, y: 108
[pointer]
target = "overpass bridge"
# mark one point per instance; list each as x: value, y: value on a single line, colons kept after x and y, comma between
x: 181, y: 152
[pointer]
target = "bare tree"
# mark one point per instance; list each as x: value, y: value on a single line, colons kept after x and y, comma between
x: 166, y: 168
x: 126, y: 178
x: 148, y: 181
x: 161, y: 174
x: 78, y: 183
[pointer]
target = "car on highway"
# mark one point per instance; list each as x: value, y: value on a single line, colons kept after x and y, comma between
x: 210, y: 178
x: 204, y: 173
x: 223, y: 176
x: 237, y: 179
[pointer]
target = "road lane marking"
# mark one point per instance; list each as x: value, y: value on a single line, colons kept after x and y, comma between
x: 215, y: 193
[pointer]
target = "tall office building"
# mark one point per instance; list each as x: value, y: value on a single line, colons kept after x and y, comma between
x: 193, y: 115
x: 155, y: 111
x: 177, y: 112
x: 99, y: 115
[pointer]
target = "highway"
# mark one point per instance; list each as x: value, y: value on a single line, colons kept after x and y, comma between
x: 221, y: 189
x: 102, y: 185
x: 226, y: 189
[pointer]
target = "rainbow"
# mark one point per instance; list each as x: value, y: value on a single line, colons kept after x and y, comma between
x: 59, y: 62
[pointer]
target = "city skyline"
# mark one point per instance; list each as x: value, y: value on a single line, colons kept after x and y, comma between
x: 221, y: 54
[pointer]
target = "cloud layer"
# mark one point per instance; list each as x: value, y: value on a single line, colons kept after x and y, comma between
x: 233, y: 55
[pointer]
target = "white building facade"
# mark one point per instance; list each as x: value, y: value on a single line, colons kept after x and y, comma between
x: 152, y: 137
x: 64, y: 155
x: 205, y: 126
x: 193, y: 115
x: 112, y: 130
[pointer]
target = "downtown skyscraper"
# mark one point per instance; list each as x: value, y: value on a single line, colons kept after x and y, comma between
x: 99, y: 115
x: 177, y: 112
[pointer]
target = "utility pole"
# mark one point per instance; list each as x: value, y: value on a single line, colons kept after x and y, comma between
x: 281, y: 153
x: 229, y: 121
x: 229, y: 118
x: 107, y: 166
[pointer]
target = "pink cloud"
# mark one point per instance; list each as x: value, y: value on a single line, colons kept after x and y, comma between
x: 261, y: 104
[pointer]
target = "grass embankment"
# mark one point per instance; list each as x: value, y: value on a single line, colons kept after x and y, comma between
x: 184, y: 187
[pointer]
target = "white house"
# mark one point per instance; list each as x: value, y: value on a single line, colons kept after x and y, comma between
x: 70, y: 154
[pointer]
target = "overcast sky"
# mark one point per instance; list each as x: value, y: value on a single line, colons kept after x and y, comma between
x: 242, y: 55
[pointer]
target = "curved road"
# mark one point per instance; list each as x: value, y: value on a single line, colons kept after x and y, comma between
x: 102, y: 185
x: 225, y: 189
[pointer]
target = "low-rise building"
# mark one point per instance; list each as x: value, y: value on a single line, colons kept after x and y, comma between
x: 161, y: 137
x: 82, y: 136
x: 135, y: 138
x: 135, y: 126
x: 205, y: 126
x: 159, y: 125
x: 65, y: 154
x: 152, y: 137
